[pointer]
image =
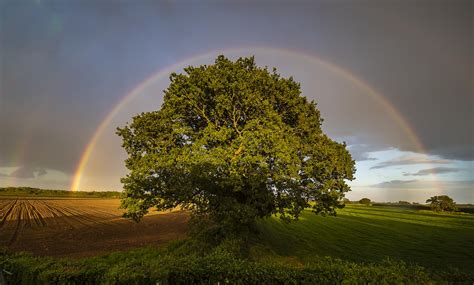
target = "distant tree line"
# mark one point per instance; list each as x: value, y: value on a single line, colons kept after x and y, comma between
x: 37, y: 192
x: 442, y: 203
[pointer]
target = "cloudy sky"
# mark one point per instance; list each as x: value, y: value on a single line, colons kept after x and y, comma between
x: 394, y: 79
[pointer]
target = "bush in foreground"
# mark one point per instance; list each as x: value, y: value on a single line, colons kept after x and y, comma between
x: 221, y: 266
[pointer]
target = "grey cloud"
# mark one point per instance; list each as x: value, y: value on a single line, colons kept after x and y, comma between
x: 41, y: 172
x: 23, y: 172
x: 63, y: 81
x: 28, y: 172
x: 361, y: 152
x: 409, y: 160
x: 393, y: 184
x: 436, y: 170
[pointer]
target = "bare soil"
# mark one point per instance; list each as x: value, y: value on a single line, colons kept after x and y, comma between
x: 82, y: 227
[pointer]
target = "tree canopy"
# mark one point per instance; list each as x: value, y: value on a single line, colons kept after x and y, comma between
x: 234, y: 142
x: 365, y: 201
x: 442, y: 203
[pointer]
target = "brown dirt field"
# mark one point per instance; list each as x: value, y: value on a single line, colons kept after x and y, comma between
x: 81, y: 227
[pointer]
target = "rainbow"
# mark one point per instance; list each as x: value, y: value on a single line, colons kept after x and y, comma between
x: 21, y: 151
x: 370, y: 91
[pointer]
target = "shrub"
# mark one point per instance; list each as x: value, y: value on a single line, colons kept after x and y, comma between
x: 442, y: 203
x: 221, y: 265
x: 365, y: 201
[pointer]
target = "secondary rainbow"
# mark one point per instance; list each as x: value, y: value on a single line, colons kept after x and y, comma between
x: 370, y: 91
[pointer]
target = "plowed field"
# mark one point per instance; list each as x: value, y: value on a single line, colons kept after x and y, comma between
x: 81, y: 227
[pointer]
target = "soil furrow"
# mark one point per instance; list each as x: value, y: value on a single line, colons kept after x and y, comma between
x: 74, y: 216
x: 8, y: 212
x: 58, y: 216
x: 37, y: 214
x: 18, y: 224
x: 80, y: 227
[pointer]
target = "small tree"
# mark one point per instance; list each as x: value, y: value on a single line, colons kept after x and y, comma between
x: 365, y: 201
x: 442, y: 203
x: 233, y: 142
x: 404, y: 203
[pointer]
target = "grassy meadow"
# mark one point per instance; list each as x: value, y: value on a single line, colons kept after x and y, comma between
x: 362, y: 233
x: 382, y: 244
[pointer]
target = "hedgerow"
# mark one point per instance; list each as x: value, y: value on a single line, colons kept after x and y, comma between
x: 220, y: 266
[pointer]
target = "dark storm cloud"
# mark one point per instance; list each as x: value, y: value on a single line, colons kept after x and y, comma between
x: 423, y: 65
x: 409, y: 160
x: 41, y: 172
x: 61, y: 71
x: 393, y: 184
x: 64, y: 65
x: 436, y: 170
x: 23, y: 172
x: 28, y: 172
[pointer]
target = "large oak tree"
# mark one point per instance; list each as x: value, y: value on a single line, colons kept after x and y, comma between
x: 233, y: 142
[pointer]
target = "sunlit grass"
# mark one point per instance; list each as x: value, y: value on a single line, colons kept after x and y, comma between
x: 372, y: 233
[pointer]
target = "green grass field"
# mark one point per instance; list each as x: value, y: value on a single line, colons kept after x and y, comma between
x: 358, y: 242
x: 371, y: 233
